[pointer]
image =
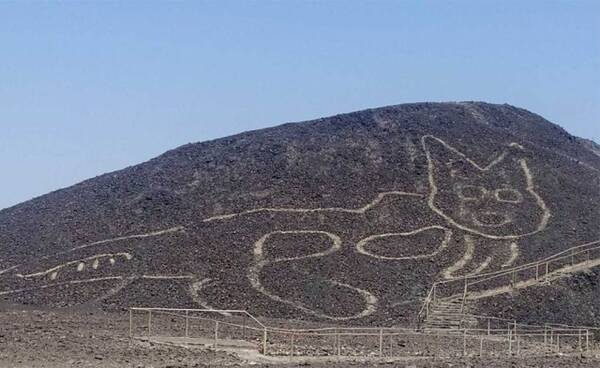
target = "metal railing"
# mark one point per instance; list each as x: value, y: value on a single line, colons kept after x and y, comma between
x: 223, y: 328
x: 545, y: 270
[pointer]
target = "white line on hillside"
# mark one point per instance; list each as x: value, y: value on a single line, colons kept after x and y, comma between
x: 363, y: 209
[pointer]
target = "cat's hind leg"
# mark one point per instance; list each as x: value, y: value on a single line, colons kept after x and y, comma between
x: 290, y: 267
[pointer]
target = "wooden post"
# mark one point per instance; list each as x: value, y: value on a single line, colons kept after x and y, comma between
x: 587, y: 341
x: 130, y: 323
x: 579, y: 339
x: 558, y: 343
x: 537, y: 272
x: 465, y: 342
x: 488, y: 331
x: 481, y: 346
x: 514, y: 278
x: 547, y: 277
x: 187, y: 324
x: 339, y: 343
x: 381, y: 342
x: 335, y: 340
x: 244, y: 322
x: 292, y: 343
x: 264, y: 341
x: 149, y: 322
x: 216, y: 333
x: 391, y: 347
x: 509, y: 341
x: 518, y: 344
x: 551, y: 337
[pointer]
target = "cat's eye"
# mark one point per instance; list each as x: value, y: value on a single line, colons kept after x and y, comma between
x: 508, y: 195
x: 470, y: 192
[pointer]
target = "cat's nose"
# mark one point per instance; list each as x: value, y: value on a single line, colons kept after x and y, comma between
x: 491, y: 219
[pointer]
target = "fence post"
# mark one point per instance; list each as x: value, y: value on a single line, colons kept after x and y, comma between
x: 381, y: 342
x: 264, y: 341
x: 558, y: 343
x: 130, y: 323
x: 488, y: 331
x: 244, y: 322
x: 579, y: 339
x: 537, y: 272
x: 509, y: 341
x: 187, y: 324
x: 481, y: 346
x: 339, y: 343
x: 149, y: 322
x: 465, y: 342
x: 545, y: 333
x: 514, y: 278
x: 292, y: 353
x: 216, y: 333
x: 335, y: 341
x: 391, y: 346
x: 518, y: 343
x: 587, y: 341
x: 547, y: 277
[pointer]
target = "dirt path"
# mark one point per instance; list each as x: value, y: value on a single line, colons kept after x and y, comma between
x: 92, y: 338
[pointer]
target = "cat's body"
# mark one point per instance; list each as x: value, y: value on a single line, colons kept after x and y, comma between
x: 477, y: 212
x: 468, y: 222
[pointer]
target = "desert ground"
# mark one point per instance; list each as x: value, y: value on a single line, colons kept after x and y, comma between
x: 90, y: 337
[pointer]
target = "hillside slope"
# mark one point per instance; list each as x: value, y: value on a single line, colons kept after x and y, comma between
x: 346, y: 218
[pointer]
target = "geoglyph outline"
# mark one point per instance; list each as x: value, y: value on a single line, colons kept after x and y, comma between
x: 370, y: 300
x: 260, y: 262
x: 360, y: 246
x: 126, y: 280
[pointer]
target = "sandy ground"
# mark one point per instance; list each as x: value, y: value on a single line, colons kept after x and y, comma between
x: 91, y: 338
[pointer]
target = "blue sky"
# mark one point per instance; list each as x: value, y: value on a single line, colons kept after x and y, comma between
x: 91, y: 87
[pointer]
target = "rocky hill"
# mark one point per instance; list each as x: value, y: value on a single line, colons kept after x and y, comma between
x: 347, y: 218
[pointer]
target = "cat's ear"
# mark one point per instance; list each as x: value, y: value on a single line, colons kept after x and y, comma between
x: 512, y: 159
x: 439, y: 154
x: 446, y: 158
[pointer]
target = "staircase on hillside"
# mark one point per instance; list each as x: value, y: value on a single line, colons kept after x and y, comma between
x: 448, y: 314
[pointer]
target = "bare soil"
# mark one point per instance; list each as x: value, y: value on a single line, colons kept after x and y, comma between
x: 93, y: 338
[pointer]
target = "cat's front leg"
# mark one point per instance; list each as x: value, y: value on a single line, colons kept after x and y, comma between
x: 482, y: 255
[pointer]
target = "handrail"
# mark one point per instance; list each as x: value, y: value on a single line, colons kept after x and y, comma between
x: 241, y: 311
x: 570, y: 252
x: 524, y: 266
x: 426, y: 304
x: 340, y: 330
x: 549, y: 261
x: 514, y: 334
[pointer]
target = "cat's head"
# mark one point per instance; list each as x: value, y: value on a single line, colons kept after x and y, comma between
x: 497, y: 200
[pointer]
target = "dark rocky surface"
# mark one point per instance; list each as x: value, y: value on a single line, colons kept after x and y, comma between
x: 100, y: 242
x: 51, y: 338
